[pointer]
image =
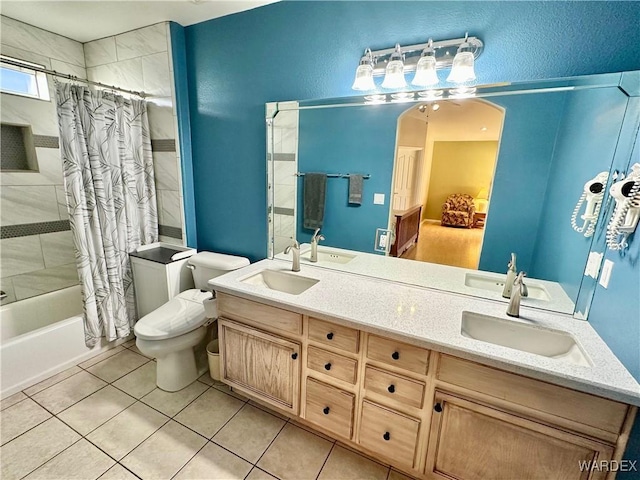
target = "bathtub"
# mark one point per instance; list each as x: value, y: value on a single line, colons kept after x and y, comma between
x: 42, y: 336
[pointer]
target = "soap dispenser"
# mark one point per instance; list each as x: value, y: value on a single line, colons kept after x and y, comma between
x: 511, y: 277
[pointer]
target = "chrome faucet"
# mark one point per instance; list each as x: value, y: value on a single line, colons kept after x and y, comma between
x: 314, y: 244
x: 294, y: 248
x: 519, y: 290
x: 511, y: 276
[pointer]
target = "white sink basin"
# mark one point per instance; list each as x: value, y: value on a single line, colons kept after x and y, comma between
x: 328, y: 256
x: 496, y: 284
x: 507, y: 333
x: 281, y: 281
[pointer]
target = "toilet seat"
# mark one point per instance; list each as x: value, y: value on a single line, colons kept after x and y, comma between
x: 182, y: 314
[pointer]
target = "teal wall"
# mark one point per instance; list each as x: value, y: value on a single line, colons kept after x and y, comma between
x: 585, y: 146
x: 305, y: 50
x: 519, y: 183
x: 361, y: 140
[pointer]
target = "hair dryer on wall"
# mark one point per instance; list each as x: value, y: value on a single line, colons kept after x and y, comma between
x: 593, y: 194
x: 627, y: 212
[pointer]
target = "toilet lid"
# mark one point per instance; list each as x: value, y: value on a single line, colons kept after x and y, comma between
x: 178, y: 316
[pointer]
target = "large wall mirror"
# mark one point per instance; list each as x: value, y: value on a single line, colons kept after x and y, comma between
x: 453, y: 186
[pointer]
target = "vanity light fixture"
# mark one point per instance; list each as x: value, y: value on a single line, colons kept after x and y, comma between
x: 424, y: 59
x: 394, y: 73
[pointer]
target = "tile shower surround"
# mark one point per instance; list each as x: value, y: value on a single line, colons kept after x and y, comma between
x: 105, y: 418
x: 34, y: 212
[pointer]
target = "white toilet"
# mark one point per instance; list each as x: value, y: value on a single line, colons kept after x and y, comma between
x: 170, y: 333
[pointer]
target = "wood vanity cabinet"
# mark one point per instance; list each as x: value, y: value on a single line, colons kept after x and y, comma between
x: 468, y: 440
x: 260, y: 351
x: 430, y: 415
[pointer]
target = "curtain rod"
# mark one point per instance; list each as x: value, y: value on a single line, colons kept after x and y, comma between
x: 30, y: 66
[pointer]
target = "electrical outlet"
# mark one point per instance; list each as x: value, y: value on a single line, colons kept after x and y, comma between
x: 383, y: 237
x: 605, y: 276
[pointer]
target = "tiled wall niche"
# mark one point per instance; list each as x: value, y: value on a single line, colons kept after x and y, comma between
x: 36, y: 247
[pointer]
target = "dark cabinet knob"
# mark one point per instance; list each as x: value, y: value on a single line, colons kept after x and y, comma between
x: 395, y: 355
x: 437, y: 407
x: 330, y: 336
x: 392, y: 388
x: 327, y: 366
x: 386, y: 436
x: 294, y: 356
x: 325, y: 410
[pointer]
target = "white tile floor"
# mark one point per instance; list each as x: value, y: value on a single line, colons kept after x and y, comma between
x: 105, y: 418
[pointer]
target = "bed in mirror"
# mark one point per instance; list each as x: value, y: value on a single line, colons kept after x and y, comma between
x: 451, y: 187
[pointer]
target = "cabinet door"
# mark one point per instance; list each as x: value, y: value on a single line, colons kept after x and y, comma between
x: 261, y: 364
x: 468, y: 441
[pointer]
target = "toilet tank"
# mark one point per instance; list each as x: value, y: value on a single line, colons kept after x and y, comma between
x: 159, y: 273
x: 207, y: 265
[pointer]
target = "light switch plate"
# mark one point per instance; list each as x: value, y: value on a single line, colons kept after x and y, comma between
x: 378, y: 198
x: 606, y: 273
x: 593, y: 264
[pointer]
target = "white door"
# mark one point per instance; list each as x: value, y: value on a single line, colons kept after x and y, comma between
x: 405, y: 178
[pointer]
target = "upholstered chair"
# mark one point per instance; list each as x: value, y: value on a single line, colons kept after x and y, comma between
x: 458, y: 211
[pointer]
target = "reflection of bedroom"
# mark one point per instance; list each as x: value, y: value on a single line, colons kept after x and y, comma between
x: 444, y: 169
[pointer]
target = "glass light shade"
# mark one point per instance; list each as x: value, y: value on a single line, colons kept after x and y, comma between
x: 394, y: 75
x: 462, y: 70
x: 425, y: 72
x: 364, y: 78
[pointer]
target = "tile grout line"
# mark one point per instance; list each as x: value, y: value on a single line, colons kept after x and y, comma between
x: 269, y: 446
x: 49, y: 459
x: 325, y: 460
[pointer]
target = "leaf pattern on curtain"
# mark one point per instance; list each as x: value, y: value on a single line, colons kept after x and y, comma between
x: 111, y: 200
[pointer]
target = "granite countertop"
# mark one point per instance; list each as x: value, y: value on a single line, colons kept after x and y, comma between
x: 431, y: 275
x: 432, y: 319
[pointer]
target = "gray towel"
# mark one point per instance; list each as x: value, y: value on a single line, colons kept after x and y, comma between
x: 315, y: 187
x: 356, y: 183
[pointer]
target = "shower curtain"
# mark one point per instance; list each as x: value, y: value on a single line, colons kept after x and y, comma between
x: 111, y: 200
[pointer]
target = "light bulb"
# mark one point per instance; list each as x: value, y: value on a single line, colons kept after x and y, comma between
x: 364, y: 73
x: 394, y: 73
x: 462, y: 70
x: 426, y: 68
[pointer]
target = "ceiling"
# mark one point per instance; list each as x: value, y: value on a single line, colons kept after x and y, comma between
x: 461, y: 120
x: 86, y: 20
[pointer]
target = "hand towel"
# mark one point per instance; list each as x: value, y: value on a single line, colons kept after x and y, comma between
x: 356, y: 183
x: 315, y: 187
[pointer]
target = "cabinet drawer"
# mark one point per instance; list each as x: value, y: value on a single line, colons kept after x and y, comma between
x: 398, y: 354
x: 582, y: 408
x: 330, y: 408
x: 263, y: 316
x: 337, y: 336
x: 390, y: 433
x: 332, y: 364
x: 394, y: 387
